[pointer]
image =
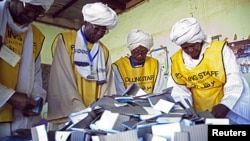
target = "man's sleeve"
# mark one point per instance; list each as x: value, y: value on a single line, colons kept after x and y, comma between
x: 38, y: 90
x: 119, y: 85
x: 233, y: 87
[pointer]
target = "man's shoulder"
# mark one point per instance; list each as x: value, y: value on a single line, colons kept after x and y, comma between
x: 121, y: 59
x: 69, y: 37
x: 103, y: 46
x: 218, y: 44
x: 105, y: 50
x: 179, y: 51
x: 70, y: 33
x: 151, y: 58
x: 36, y: 30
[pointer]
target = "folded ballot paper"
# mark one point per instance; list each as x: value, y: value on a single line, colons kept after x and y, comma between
x: 111, y: 122
x: 39, y: 133
x: 134, y: 90
x: 136, y: 115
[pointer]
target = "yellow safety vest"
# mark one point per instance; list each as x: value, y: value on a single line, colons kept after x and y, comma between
x: 144, y: 77
x: 206, y: 81
x: 9, y: 74
x: 88, y: 90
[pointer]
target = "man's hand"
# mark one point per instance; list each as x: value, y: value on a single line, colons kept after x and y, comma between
x: 22, y: 102
x: 35, y: 111
x: 30, y: 113
x: 220, y: 111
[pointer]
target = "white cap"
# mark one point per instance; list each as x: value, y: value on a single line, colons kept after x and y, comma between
x: 187, y: 30
x: 137, y: 37
x: 99, y: 14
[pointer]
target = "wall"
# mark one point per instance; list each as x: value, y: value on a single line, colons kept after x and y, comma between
x: 225, y: 17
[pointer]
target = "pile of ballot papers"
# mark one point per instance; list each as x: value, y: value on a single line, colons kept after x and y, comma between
x: 137, y: 116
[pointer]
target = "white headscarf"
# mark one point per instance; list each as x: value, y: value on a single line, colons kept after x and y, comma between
x: 187, y: 30
x: 44, y: 3
x: 99, y: 14
x: 137, y: 37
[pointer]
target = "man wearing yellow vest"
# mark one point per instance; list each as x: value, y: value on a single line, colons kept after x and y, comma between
x: 81, y: 67
x: 138, y: 68
x: 205, y: 72
x: 20, y: 76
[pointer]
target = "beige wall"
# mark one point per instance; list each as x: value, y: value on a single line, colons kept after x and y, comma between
x: 225, y: 17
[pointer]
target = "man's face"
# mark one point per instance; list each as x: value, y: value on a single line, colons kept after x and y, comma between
x: 24, y: 13
x: 139, y: 54
x: 192, y: 49
x: 94, y: 32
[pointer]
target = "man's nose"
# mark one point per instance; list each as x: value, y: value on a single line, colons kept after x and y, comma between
x: 190, y: 49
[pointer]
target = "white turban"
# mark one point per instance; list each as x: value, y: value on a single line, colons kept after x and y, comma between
x: 99, y: 14
x: 137, y: 37
x: 44, y: 3
x: 187, y: 30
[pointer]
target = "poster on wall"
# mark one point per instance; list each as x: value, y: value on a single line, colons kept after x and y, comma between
x: 161, y: 54
x: 241, y: 50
